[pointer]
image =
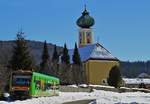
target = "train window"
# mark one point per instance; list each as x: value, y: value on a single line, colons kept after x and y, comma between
x: 45, y: 86
x: 49, y: 86
x: 21, y: 80
x: 56, y: 87
x: 38, y: 85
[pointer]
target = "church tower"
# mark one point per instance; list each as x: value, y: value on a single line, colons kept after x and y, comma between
x: 85, y: 22
x: 96, y: 59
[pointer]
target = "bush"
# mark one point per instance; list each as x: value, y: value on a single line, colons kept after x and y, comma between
x: 114, y: 78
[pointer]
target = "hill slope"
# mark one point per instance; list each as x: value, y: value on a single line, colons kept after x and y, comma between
x: 133, y: 69
x: 35, y: 47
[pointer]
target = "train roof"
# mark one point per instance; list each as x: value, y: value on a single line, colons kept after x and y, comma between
x: 22, y: 71
x: 45, y: 76
x: 35, y: 74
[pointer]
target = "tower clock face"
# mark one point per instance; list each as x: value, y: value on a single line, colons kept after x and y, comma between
x: 88, y: 37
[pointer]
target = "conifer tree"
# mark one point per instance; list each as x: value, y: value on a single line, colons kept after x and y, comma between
x: 77, y: 67
x: 55, y: 60
x: 65, y: 56
x: 21, y: 59
x: 64, y: 70
x: 55, y: 57
x: 114, y: 78
x: 45, y: 67
x: 76, y: 56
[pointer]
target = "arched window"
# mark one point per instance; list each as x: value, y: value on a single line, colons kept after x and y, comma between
x: 88, y: 37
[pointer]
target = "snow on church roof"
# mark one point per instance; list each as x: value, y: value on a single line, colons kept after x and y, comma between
x: 94, y: 51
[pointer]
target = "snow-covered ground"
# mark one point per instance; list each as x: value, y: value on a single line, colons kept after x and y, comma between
x: 102, y: 97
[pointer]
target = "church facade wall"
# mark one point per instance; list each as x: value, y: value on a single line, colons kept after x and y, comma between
x: 97, y: 71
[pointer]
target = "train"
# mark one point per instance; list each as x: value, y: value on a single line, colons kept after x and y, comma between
x: 28, y: 84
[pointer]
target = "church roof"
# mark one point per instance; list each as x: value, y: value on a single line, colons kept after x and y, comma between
x: 94, y: 52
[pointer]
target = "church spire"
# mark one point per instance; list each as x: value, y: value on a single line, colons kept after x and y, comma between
x: 84, y: 6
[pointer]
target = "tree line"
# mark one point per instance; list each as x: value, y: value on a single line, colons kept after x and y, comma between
x: 133, y: 69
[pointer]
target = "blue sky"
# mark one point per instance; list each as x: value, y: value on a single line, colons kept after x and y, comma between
x: 122, y: 26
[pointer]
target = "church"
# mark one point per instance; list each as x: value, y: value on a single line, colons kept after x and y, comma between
x: 97, y: 61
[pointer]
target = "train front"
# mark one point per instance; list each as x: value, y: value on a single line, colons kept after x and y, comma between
x: 20, y: 84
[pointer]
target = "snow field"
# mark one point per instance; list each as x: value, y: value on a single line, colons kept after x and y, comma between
x: 102, y: 97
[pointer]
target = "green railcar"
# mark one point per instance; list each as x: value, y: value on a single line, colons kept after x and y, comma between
x: 25, y: 84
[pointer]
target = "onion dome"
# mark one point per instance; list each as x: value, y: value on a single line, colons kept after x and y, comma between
x: 85, y: 21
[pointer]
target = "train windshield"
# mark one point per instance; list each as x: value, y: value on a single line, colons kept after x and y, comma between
x: 21, y: 80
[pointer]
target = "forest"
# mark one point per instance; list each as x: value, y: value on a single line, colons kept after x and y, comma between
x: 133, y: 69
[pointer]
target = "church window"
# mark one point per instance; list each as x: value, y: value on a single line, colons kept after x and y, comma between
x: 88, y: 37
x: 80, y: 38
